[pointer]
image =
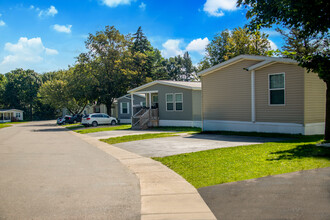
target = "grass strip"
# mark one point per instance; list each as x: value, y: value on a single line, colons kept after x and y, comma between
x: 4, y: 125
x: 98, y: 129
x: 223, y: 165
x: 128, y: 138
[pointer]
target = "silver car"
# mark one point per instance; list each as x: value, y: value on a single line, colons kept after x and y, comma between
x: 96, y: 119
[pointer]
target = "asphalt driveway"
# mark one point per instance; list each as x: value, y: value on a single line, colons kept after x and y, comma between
x: 187, y: 143
x: 47, y: 173
x: 299, y: 195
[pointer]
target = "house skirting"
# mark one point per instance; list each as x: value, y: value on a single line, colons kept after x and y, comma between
x: 125, y: 121
x: 180, y: 123
x: 4, y: 121
x: 268, y: 127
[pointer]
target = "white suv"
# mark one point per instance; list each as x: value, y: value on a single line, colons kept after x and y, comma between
x: 96, y: 119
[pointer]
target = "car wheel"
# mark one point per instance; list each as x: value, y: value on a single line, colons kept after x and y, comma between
x: 63, y: 123
x: 113, y: 122
x: 74, y: 122
x: 94, y: 124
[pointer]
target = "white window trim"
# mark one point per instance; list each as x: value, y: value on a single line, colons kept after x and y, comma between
x: 121, y: 108
x: 174, y: 102
x: 269, y: 89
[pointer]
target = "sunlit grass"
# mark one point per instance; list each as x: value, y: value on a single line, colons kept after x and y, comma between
x: 211, y: 167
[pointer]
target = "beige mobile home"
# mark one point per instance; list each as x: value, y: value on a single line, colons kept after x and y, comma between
x: 262, y: 94
x: 168, y: 103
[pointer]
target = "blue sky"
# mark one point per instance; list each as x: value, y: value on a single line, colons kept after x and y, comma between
x: 48, y: 35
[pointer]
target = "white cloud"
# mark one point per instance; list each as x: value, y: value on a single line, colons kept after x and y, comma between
x: 51, y: 11
x: 198, y: 45
x: 142, y: 6
x: 24, y: 53
x: 2, y: 23
x: 115, y: 3
x: 171, y: 48
x: 215, y: 7
x: 63, y: 28
x: 273, y: 46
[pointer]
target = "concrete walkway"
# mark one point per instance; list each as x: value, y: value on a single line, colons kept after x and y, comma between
x: 47, y: 173
x: 300, y: 195
x: 164, y: 194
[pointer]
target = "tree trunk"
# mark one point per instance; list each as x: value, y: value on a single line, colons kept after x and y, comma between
x: 108, y: 105
x: 327, y: 114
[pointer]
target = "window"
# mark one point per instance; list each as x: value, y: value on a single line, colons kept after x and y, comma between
x: 178, y: 102
x: 97, y: 109
x: 174, y: 102
x: 155, y: 99
x: 169, y: 102
x: 277, y: 89
x: 18, y: 114
x: 143, y: 104
x: 124, y: 108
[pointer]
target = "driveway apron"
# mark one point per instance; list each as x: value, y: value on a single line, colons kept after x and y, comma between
x: 47, y: 173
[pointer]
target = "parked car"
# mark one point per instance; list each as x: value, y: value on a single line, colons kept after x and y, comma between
x: 75, y: 119
x: 96, y: 119
x: 64, y: 120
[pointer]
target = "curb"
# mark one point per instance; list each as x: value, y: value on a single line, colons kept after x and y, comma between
x: 164, y: 193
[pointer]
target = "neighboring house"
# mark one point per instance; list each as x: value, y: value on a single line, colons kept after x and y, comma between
x: 173, y: 103
x: 125, y: 107
x: 8, y: 115
x: 262, y: 94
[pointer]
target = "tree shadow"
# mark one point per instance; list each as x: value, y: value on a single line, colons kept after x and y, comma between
x: 302, y: 151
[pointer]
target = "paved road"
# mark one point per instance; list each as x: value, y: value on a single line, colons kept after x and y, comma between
x: 47, y: 173
x: 299, y: 195
x: 188, y: 143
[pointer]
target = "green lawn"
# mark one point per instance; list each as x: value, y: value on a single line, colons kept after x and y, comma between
x: 232, y: 164
x: 4, y: 125
x: 98, y: 129
x: 127, y: 138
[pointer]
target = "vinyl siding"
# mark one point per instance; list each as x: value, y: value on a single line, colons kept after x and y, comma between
x: 293, y: 109
x: 137, y: 100
x: 315, y: 92
x: 186, y: 114
x: 227, y: 93
x: 197, y: 105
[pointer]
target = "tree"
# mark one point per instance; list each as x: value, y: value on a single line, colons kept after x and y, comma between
x: 109, y: 51
x: 21, y: 90
x: 72, y: 89
x: 229, y: 44
x: 311, y: 20
x: 3, y: 82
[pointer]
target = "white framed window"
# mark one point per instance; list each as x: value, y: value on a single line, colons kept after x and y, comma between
x: 18, y: 114
x: 178, y: 102
x: 169, y: 102
x: 174, y: 101
x: 124, y: 107
x: 276, y: 89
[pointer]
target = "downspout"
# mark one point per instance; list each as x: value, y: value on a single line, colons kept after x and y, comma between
x: 253, y: 103
x: 132, y: 113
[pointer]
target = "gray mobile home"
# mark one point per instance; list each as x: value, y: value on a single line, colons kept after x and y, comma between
x: 125, y: 107
x: 171, y: 103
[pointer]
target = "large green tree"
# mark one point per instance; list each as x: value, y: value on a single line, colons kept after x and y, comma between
x: 229, y: 44
x: 310, y: 20
x: 21, y: 90
x: 110, y: 53
x: 3, y: 82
